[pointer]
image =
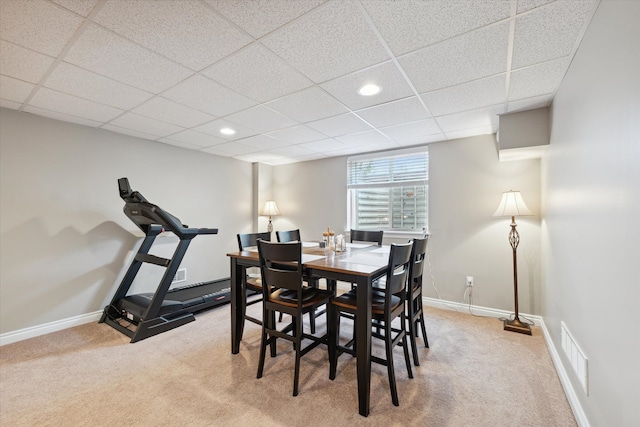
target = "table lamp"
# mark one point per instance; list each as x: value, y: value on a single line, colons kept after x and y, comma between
x: 270, y: 209
x: 512, y: 206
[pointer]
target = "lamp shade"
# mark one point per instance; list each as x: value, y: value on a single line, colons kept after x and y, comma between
x: 512, y: 205
x: 270, y: 208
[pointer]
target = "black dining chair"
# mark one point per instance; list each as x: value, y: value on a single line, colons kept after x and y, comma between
x: 415, y: 312
x: 252, y: 282
x: 366, y: 236
x: 294, y: 236
x: 288, y: 236
x: 386, y: 306
x: 283, y: 291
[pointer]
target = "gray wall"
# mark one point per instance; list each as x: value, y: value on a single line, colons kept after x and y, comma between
x: 64, y: 238
x: 591, y: 195
x: 466, y: 182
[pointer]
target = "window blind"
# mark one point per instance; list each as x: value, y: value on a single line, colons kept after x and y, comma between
x: 389, y: 192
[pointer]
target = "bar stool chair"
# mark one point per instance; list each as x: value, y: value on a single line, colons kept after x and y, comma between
x: 415, y: 312
x: 283, y: 291
x: 251, y: 282
x: 294, y: 236
x: 386, y: 306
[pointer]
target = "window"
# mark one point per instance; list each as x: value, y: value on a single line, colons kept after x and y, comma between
x: 389, y: 191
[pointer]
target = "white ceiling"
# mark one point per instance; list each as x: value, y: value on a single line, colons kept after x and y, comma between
x: 284, y: 74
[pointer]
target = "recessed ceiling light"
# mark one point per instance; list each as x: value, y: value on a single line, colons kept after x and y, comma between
x: 369, y: 90
x: 227, y: 131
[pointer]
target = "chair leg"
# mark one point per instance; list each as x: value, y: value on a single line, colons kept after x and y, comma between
x: 390, y: 367
x: 334, y: 316
x: 421, y: 320
x: 407, y: 361
x: 412, y: 331
x: 298, y: 348
x: 272, y: 324
x: 312, y: 321
x: 263, y: 345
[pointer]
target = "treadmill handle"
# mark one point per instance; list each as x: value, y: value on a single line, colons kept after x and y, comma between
x: 207, y: 231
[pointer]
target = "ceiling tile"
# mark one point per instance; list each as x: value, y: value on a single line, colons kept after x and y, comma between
x: 70, y: 79
x: 330, y: 41
x: 234, y: 148
x: 394, y: 113
x: 193, y: 138
x: 145, y: 124
x: 529, y: 103
x: 14, y: 90
x: 260, y: 17
x: 292, y: 151
x: 72, y: 105
x: 38, y: 25
x: 324, y: 145
x: 467, y: 96
x: 537, y: 79
x: 257, y: 73
x: 208, y: 96
x: 22, y: 63
x: 525, y: 5
x: 105, y: 53
x: 162, y: 109
x: 260, y: 119
x: 61, y: 116
x: 363, y: 138
x: 340, y: 125
x: 409, y: 25
x: 487, y: 116
x: 213, y: 128
x: 263, y: 142
x: 386, y: 75
x: 307, y: 105
x: 414, y: 132
x: 81, y: 7
x: 297, y: 134
x: 549, y: 32
x: 469, y: 57
x: 188, y: 32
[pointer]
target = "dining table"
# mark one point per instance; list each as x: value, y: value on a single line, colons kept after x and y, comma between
x: 358, y: 263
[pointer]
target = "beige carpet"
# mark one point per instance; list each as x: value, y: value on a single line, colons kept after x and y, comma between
x: 474, y: 374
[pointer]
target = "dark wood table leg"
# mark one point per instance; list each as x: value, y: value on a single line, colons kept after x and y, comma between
x: 237, y: 305
x: 363, y: 344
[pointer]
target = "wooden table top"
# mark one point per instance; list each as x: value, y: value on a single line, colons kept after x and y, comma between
x: 357, y: 259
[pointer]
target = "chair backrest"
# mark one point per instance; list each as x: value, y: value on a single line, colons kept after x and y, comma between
x: 418, y: 256
x: 366, y: 236
x: 398, y: 273
x: 251, y: 239
x: 288, y: 236
x: 281, y: 266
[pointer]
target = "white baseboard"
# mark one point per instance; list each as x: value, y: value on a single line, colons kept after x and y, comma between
x: 569, y: 391
x: 476, y: 309
x: 46, y: 328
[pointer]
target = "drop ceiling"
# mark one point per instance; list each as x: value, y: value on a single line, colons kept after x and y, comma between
x: 285, y: 74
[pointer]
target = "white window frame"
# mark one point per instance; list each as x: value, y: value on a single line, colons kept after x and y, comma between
x: 351, y: 194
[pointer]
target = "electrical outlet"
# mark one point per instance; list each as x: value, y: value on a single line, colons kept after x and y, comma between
x: 469, y: 281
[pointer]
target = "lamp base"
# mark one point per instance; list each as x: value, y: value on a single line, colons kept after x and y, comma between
x: 516, y: 325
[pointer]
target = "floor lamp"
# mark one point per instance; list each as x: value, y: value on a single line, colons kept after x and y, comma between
x: 512, y: 206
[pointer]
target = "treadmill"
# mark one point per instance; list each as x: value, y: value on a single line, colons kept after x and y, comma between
x: 141, y: 316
